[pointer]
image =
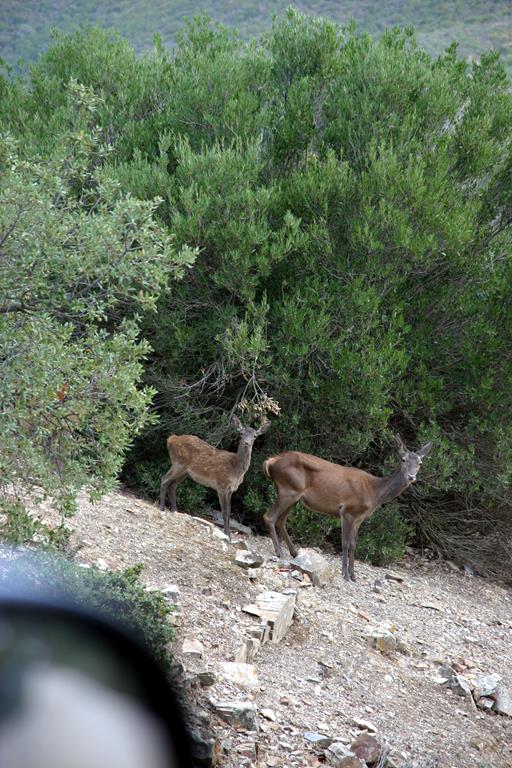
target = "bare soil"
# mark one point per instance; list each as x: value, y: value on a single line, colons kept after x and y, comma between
x: 324, y: 673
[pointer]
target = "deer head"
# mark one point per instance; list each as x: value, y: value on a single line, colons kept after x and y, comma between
x: 411, y: 462
x: 247, y: 434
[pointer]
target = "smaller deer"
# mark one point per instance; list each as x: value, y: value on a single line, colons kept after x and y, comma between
x: 222, y: 470
x: 332, y: 489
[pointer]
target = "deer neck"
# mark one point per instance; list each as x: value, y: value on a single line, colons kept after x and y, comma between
x: 243, y: 458
x: 388, y: 488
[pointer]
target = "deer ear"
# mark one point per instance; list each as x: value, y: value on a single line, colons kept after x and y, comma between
x: 402, y: 450
x: 235, y: 421
x: 264, y: 428
x: 425, y: 450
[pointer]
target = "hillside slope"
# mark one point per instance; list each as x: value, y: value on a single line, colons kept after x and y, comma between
x: 477, y: 25
x: 324, y: 673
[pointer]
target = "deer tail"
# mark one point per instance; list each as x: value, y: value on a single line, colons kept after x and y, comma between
x: 266, y: 467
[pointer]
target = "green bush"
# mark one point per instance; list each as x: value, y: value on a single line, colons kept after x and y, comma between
x: 384, y: 537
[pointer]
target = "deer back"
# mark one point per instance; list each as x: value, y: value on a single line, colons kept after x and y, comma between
x: 205, y: 464
x: 322, y: 485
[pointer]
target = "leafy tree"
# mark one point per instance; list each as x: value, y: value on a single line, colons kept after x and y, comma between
x: 80, y: 261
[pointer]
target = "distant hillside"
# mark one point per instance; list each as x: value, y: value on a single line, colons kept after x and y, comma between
x: 477, y: 25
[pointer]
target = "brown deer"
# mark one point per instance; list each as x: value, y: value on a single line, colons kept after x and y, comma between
x: 222, y: 470
x: 334, y: 490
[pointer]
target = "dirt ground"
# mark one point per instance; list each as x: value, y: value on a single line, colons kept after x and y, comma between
x: 324, y: 673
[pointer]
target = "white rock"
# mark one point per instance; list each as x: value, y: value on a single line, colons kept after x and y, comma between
x: 503, y: 703
x: 319, y: 570
x: 240, y: 673
x: 485, y: 685
x: 192, y: 647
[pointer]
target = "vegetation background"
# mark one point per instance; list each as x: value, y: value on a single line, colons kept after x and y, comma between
x: 477, y: 25
x: 317, y: 218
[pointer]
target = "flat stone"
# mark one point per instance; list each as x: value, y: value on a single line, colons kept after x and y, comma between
x: 268, y: 714
x: 393, y: 576
x: 432, y: 606
x: 367, y: 747
x: 503, y: 701
x: 340, y: 756
x: 246, y: 559
x: 192, y: 647
x: 241, y: 714
x: 364, y: 725
x: 240, y: 673
x: 277, y: 609
x: 319, y: 570
x: 318, y: 740
x: 485, y: 685
x: 233, y: 524
x: 220, y: 535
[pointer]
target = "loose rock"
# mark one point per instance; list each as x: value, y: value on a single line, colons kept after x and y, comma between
x: 241, y: 714
x: 485, y: 686
x: 277, y: 609
x: 340, y: 756
x: 239, y: 673
x: 503, y: 703
x: 246, y: 559
x: 192, y: 647
x: 318, y: 740
x: 364, y: 725
x: 368, y: 748
x: 319, y: 570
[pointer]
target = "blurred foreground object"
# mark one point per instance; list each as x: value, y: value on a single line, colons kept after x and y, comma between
x: 75, y: 690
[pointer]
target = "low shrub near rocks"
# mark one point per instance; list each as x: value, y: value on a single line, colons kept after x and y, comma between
x: 119, y: 596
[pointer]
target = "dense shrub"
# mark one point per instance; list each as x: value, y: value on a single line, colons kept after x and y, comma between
x: 351, y: 205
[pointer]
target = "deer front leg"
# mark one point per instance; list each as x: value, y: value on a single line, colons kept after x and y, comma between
x: 225, y: 505
x: 345, y: 543
x: 352, y: 550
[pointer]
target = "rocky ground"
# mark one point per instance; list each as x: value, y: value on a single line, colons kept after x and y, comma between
x: 326, y: 675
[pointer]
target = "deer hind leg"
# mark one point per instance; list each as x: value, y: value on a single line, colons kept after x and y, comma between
x: 225, y: 505
x: 283, y: 533
x: 277, y: 516
x: 169, y: 483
